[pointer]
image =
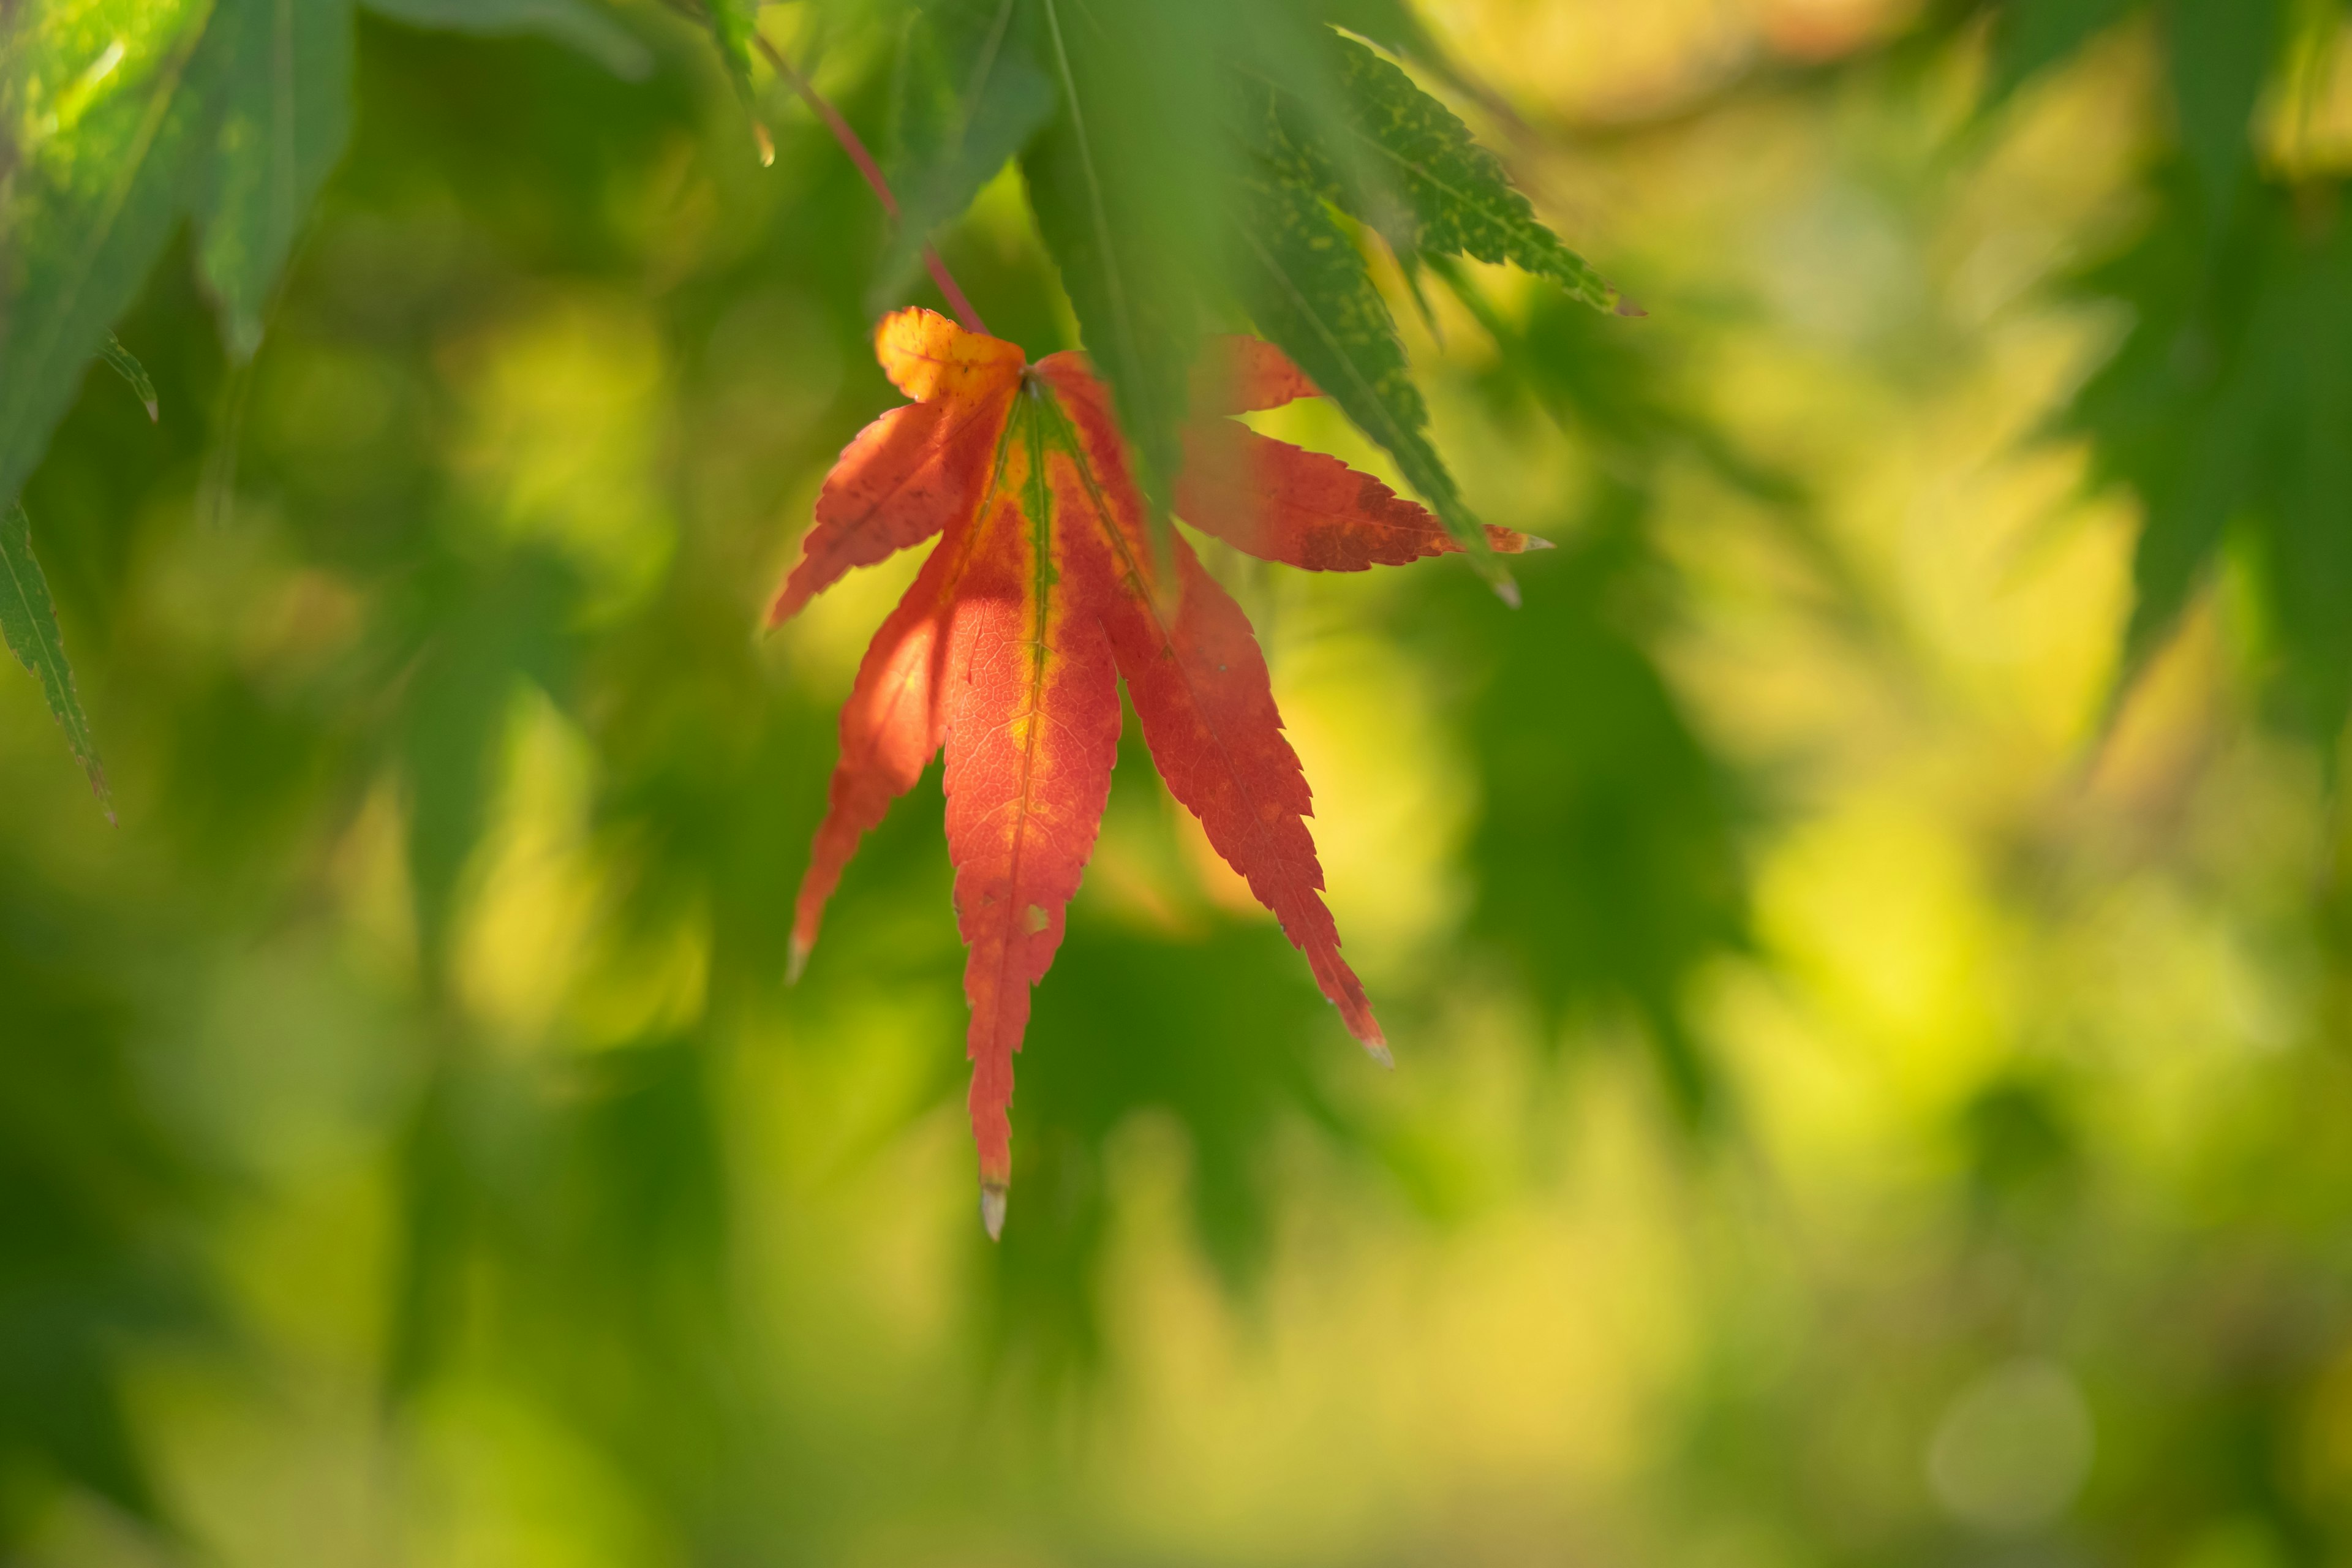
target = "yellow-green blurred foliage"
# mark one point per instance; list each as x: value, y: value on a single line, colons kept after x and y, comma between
x: 1853, y: 1103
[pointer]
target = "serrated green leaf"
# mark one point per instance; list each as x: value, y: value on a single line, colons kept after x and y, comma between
x: 280, y: 71
x: 1460, y: 200
x: 126, y: 365
x: 109, y: 127
x: 973, y: 94
x: 29, y: 620
x: 584, y: 26
x: 1311, y: 293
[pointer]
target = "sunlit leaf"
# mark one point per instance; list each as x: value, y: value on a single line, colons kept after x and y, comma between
x: 1043, y: 593
x: 120, y: 124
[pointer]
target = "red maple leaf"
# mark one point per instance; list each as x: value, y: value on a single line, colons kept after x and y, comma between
x: 1044, y: 590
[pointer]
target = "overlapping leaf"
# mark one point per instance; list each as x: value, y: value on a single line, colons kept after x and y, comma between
x: 118, y: 121
x: 971, y: 94
x: 1044, y: 593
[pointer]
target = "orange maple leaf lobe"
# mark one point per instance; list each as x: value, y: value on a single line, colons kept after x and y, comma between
x: 917, y: 470
x: 911, y: 472
x: 1032, y: 732
x: 1281, y: 503
x: 1240, y: 374
x: 1200, y: 687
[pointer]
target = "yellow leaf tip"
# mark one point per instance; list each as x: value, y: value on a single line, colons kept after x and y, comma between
x: 767, y: 145
x: 994, y: 1198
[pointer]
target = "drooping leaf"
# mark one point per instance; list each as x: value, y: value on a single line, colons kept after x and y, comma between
x: 29, y: 620
x: 1129, y: 193
x: 1043, y: 592
x: 126, y: 365
x: 119, y: 123
x: 972, y: 94
x: 281, y: 73
x: 579, y: 23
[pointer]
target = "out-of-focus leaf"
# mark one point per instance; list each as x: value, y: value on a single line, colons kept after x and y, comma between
x: 2028, y: 37
x: 579, y: 23
x: 1126, y: 183
x: 1219, y: 1033
x: 281, y: 73
x: 1607, y: 859
x: 972, y: 94
x: 484, y: 632
x: 116, y: 122
x: 1461, y: 201
x: 126, y: 365
x: 89, y: 1182
x: 2218, y: 52
x: 2228, y: 402
x: 734, y: 25
x: 30, y: 621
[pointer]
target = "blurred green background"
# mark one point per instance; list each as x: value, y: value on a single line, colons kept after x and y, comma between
x: 1865, y: 1093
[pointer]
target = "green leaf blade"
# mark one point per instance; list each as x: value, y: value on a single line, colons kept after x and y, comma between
x: 1130, y: 199
x: 577, y: 23
x: 280, y: 71
x: 975, y: 95
x: 91, y: 203
x: 28, y: 619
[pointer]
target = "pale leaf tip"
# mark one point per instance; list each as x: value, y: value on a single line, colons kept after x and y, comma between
x: 994, y: 1197
x: 796, y: 957
x: 154, y: 411
x: 1507, y: 591
x: 1627, y: 306
x: 767, y: 145
x: 1378, y: 1051
x: 1535, y: 541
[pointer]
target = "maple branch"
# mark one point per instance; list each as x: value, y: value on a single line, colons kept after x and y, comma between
x: 851, y: 144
